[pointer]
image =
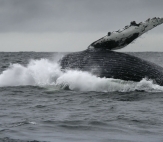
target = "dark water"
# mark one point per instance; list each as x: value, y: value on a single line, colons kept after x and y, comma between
x: 36, y: 106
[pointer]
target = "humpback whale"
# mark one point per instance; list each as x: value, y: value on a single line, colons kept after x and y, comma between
x: 100, y: 59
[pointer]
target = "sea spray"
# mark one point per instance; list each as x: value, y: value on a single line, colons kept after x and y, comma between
x: 37, y: 72
x: 84, y: 81
x: 45, y: 72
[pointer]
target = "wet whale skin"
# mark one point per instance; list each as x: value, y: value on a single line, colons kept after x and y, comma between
x: 111, y: 64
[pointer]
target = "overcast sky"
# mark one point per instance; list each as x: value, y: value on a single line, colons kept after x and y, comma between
x: 71, y: 25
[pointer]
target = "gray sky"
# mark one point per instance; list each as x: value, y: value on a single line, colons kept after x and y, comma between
x: 71, y: 25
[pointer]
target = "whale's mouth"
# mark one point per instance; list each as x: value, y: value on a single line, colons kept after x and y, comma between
x: 121, y: 38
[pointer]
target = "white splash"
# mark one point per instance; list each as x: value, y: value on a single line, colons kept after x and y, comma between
x: 37, y: 72
x: 84, y: 81
x: 45, y: 73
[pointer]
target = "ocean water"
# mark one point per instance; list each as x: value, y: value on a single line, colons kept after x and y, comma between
x: 41, y: 103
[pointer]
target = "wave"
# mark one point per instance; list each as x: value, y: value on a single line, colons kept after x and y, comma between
x: 45, y: 72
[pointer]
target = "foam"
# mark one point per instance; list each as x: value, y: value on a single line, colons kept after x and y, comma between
x: 44, y: 72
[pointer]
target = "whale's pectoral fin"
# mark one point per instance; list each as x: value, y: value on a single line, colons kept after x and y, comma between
x: 121, y: 38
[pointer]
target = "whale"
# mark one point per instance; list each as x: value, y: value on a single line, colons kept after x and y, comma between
x: 101, y: 60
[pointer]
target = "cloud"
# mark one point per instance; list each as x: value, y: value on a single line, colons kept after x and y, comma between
x: 73, y: 15
x: 71, y: 25
x: 47, y: 42
x: 69, y: 42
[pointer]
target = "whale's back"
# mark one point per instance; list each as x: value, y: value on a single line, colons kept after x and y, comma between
x: 110, y: 64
